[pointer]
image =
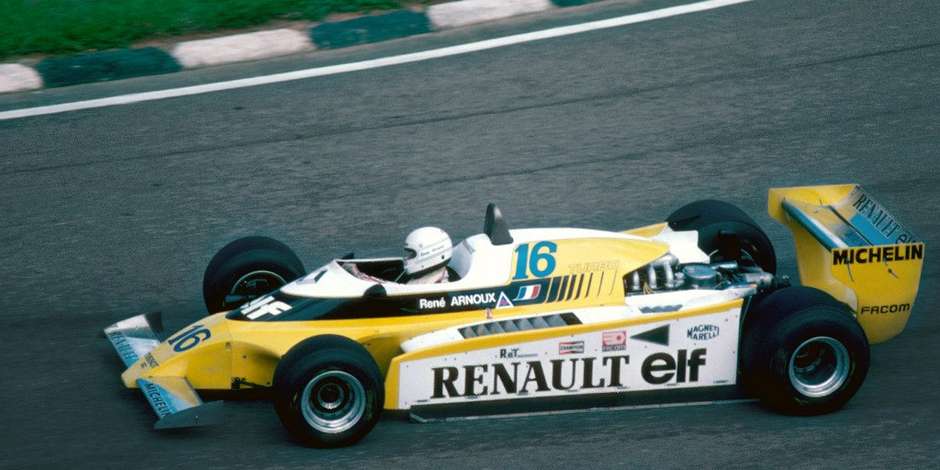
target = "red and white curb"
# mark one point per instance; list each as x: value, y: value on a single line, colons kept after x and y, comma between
x: 280, y: 42
x: 16, y: 77
x: 241, y: 47
x: 467, y: 12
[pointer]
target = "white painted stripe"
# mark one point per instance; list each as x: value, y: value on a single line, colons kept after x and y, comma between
x: 16, y: 77
x: 419, y: 419
x: 466, y: 12
x: 373, y: 63
x: 241, y: 47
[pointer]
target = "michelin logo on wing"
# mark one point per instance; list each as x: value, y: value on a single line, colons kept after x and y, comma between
x: 878, y: 254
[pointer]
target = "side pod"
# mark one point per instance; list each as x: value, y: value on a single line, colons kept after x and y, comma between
x: 850, y: 246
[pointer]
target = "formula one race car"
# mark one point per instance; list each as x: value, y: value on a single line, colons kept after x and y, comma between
x: 538, y: 319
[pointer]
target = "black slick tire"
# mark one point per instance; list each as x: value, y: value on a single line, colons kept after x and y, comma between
x: 803, y: 352
x: 714, y: 219
x: 273, y: 262
x: 312, y: 364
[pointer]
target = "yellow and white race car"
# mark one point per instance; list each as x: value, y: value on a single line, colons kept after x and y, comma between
x: 537, y: 319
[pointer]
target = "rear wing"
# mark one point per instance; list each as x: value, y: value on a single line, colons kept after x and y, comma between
x: 850, y: 246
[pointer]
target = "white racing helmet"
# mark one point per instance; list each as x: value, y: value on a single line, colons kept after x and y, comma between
x: 426, y: 248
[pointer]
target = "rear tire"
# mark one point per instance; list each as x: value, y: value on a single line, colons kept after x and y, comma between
x: 803, y: 352
x: 246, y: 269
x: 328, y: 391
x: 715, y: 219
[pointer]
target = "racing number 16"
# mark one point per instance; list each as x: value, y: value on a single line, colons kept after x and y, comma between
x: 541, y: 264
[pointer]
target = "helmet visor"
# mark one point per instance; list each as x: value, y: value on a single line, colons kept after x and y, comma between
x: 410, y: 254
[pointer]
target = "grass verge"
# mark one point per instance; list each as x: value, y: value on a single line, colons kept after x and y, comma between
x: 67, y: 26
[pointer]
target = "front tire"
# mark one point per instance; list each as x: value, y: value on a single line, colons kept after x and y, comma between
x: 246, y: 269
x: 803, y: 352
x: 328, y: 391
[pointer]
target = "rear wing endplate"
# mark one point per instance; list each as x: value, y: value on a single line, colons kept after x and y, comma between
x: 850, y: 246
x: 174, y: 400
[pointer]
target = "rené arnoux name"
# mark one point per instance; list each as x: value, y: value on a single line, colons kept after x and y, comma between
x: 569, y: 374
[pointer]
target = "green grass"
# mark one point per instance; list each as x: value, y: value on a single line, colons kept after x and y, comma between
x: 68, y: 26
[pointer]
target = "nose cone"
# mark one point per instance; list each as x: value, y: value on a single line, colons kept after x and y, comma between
x: 199, y: 352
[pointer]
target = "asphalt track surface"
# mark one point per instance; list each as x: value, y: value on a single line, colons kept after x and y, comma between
x: 114, y: 211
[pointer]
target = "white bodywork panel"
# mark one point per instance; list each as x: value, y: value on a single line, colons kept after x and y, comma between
x: 683, y: 245
x: 698, y: 351
x: 636, y: 306
x: 479, y: 263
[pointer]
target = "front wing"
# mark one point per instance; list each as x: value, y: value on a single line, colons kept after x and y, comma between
x: 174, y: 400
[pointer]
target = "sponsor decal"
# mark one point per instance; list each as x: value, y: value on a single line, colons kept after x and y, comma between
x: 702, y: 332
x: 884, y: 309
x: 614, y: 341
x: 568, y: 374
x: 190, y: 338
x: 150, y: 361
x: 425, y: 304
x: 660, y: 308
x: 571, y: 347
x: 881, y: 219
x: 514, y: 353
x: 264, y: 306
x: 529, y: 292
x: 503, y: 301
x: 877, y: 254
x: 523, y: 377
x: 662, y: 367
x: 120, y: 343
x: 606, y: 265
x: 152, y: 392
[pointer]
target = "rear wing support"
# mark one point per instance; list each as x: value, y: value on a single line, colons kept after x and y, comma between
x: 850, y: 246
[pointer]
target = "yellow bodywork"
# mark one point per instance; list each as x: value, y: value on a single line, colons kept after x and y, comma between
x: 217, y: 353
x: 881, y: 293
x: 238, y: 353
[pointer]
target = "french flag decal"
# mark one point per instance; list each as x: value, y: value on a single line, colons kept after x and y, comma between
x: 528, y: 292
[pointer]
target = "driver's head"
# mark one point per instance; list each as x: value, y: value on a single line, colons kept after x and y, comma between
x: 426, y: 248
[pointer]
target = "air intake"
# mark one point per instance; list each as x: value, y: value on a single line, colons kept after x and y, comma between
x: 519, y: 324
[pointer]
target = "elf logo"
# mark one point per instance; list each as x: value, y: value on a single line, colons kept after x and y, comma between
x: 662, y: 367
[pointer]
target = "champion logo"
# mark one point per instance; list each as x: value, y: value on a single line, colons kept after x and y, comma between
x: 528, y: 292
x: 571, y: 347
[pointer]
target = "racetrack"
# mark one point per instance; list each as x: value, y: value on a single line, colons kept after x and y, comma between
x: 114, y: 211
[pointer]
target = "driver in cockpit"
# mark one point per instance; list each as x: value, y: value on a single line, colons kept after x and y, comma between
x: 427, y: 251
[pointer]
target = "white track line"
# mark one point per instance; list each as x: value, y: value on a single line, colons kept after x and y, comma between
x: 373, y: 63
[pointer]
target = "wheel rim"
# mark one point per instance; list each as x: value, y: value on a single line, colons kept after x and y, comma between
x: 253, y: 285
x: 333, y: 401
x: 819, y: 366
